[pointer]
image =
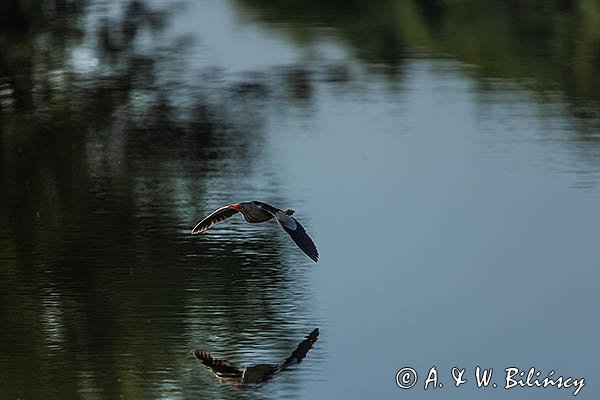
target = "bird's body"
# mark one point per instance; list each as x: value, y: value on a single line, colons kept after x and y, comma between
x: 254, y: 373
x: 256, y: 212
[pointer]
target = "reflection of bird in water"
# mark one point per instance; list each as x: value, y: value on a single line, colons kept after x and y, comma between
x: 255, y: 373
x: 257, y: 211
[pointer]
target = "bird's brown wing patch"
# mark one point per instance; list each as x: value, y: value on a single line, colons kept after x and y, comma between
x: 301, y: 238
x: 217, y: 216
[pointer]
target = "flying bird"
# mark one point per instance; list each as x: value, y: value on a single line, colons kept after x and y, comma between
x: 255, y: 212
x: 255, y: 373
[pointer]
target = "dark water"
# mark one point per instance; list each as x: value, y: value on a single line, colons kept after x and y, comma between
x: 445, y: 157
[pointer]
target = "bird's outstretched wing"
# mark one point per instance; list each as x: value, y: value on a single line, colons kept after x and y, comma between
x: 298, y: 235
x: 303, y: 347
x: 217, y: 216
x: 221, y: 368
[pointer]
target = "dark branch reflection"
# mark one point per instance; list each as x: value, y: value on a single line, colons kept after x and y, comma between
x: 104, y: 174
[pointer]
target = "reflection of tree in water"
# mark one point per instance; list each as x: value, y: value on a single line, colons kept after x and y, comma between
x: 546, y: 47
x: 95, y: 165
x: 550, y: 43
x: 370, y: 28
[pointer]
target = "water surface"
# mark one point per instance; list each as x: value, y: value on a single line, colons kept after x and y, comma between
x: 444, y: 157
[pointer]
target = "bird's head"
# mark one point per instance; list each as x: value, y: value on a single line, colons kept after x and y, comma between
x: 248, y: 206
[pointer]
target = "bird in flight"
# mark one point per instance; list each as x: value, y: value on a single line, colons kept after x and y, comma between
x: 254, y: 373
x: 255, y: 212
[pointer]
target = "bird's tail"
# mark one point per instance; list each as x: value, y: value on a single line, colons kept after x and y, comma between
x: 303, y: 347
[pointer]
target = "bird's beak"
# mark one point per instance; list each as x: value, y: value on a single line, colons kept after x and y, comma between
x: 236, y: 206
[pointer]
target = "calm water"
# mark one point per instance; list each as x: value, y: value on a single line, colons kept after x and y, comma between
x: 444, y: 157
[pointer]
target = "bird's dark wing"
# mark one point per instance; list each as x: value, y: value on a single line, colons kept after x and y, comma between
x: 301, y: 238
x: 303, y: 347
x: 221, y: 368
x: 219, y: 215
